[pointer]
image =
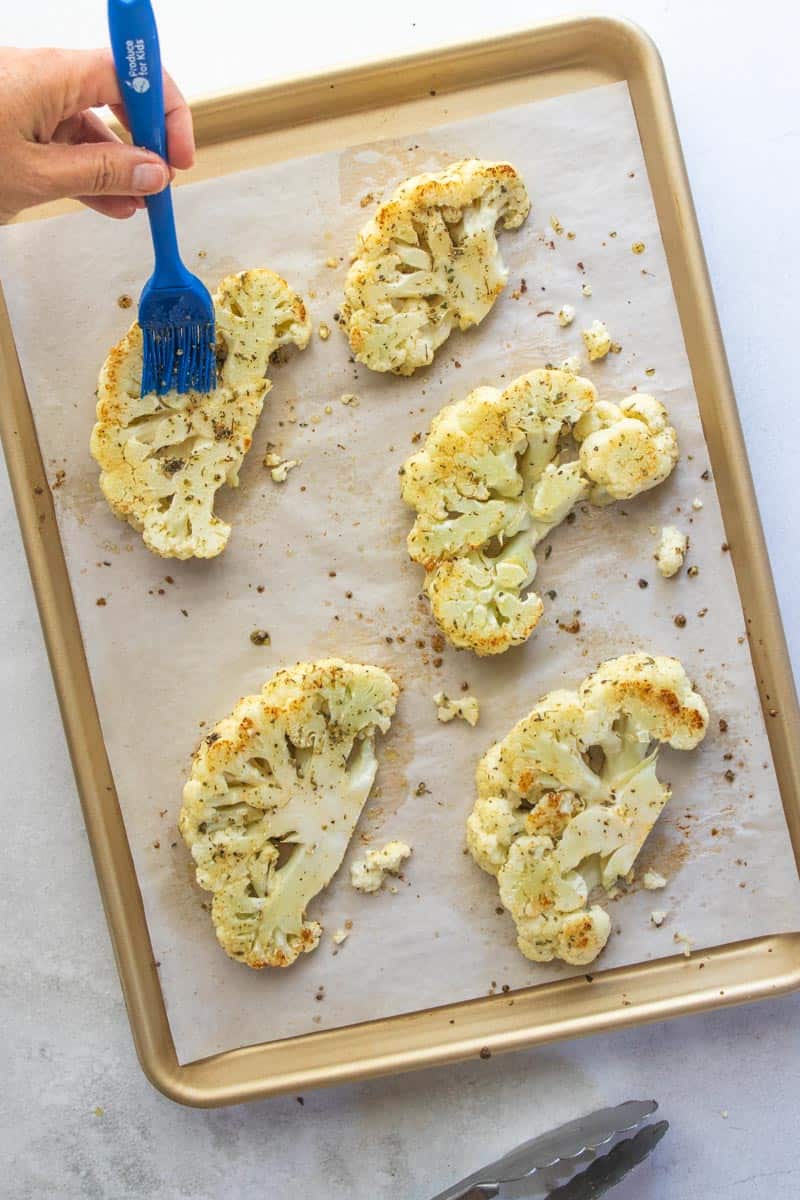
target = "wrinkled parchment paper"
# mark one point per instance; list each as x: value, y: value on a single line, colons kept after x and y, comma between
x: 170, y: 651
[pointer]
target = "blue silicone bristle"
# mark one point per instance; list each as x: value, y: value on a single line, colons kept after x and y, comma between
x: 178, y: 351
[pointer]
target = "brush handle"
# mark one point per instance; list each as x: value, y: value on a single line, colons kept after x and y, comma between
x: 134, y: 42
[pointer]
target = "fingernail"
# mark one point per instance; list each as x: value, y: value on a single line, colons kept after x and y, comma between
x: 149, y: 178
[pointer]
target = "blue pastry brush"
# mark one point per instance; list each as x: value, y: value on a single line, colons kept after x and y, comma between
x: 175, y: 309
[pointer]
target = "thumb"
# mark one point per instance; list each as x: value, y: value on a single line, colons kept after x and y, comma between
x: 98, y: 169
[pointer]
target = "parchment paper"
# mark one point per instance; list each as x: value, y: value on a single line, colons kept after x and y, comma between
x: 170, y: 653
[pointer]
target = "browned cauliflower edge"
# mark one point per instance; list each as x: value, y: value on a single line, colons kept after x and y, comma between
x: 275, y: 791
x: 162, y: 459
x: 567, y: 799
x: 494, y: 478
x: 428, y: 262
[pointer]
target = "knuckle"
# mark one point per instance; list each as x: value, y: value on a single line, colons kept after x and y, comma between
x: 105, y: 173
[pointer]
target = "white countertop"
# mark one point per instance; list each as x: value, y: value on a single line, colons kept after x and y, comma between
x: 77, y: 1117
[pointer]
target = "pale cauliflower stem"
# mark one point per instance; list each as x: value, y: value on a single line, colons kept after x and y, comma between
x: 671, y: 550
x: 492, y: 481
x: 428, y: 262
x: 274, y: 795
x: 568, y: 797
x: 163, y: 458
x: 367, y: 873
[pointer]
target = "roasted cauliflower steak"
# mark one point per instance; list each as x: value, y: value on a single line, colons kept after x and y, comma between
x: 493, y: 479
x: 275, y: 791
x: 162, y: 459
x: 428, y: 262
x: 567, y: 799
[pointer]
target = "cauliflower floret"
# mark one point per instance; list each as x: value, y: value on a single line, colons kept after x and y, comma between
x: 367, y: 874
x: 596, y: 339
x: 465, y: 707
x: 671, y: 551
x: 163, y: 458
x: 428, y: 262
x: 567, y: 799
x: 490, y: 483
x: 653, y: 881
x: 274, y: 794
x: 566, y: 315
x: 279, y: 468
x: 627, y: 448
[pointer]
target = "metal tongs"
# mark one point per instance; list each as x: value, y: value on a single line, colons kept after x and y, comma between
x: 526, y: 1173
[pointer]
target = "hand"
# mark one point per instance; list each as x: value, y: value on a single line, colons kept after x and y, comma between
x: 52, y: 145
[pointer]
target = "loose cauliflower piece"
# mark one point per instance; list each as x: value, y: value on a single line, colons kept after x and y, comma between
x: 163, y: 458
x: 653, y: 881
x: 671, y: 551
x: 567, y: 799
x: 428, y: 262
x: 465, y: 707
x: 492, y: 481
x: 368, y: 873
x: 274, y: 794
x: 596, y: 338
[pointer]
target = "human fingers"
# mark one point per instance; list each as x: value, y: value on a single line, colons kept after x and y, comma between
x: 93, y: 80
x: 180, y: 129
x: 84, y: 126
x: 118, y: 207
x: 102, y: 168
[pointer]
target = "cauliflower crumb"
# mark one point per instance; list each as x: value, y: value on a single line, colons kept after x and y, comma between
x: 367, y: 874
x: 671, y: 551
x: 683, y: 939
x: 586, y: 289
x: 658, y: 916
x: 697, y: 504
x: 280, y: 467
x: 653, y: 880
x: 332, y: 262
x: 566, y: 315
x: 281, y: 472
x: 556, y: 225
x: 324, y: 331
x: 572, y: 365
x: 596, y: 340
x: 466, y: 707
x: 349, y: 400
x: 341, y: 935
